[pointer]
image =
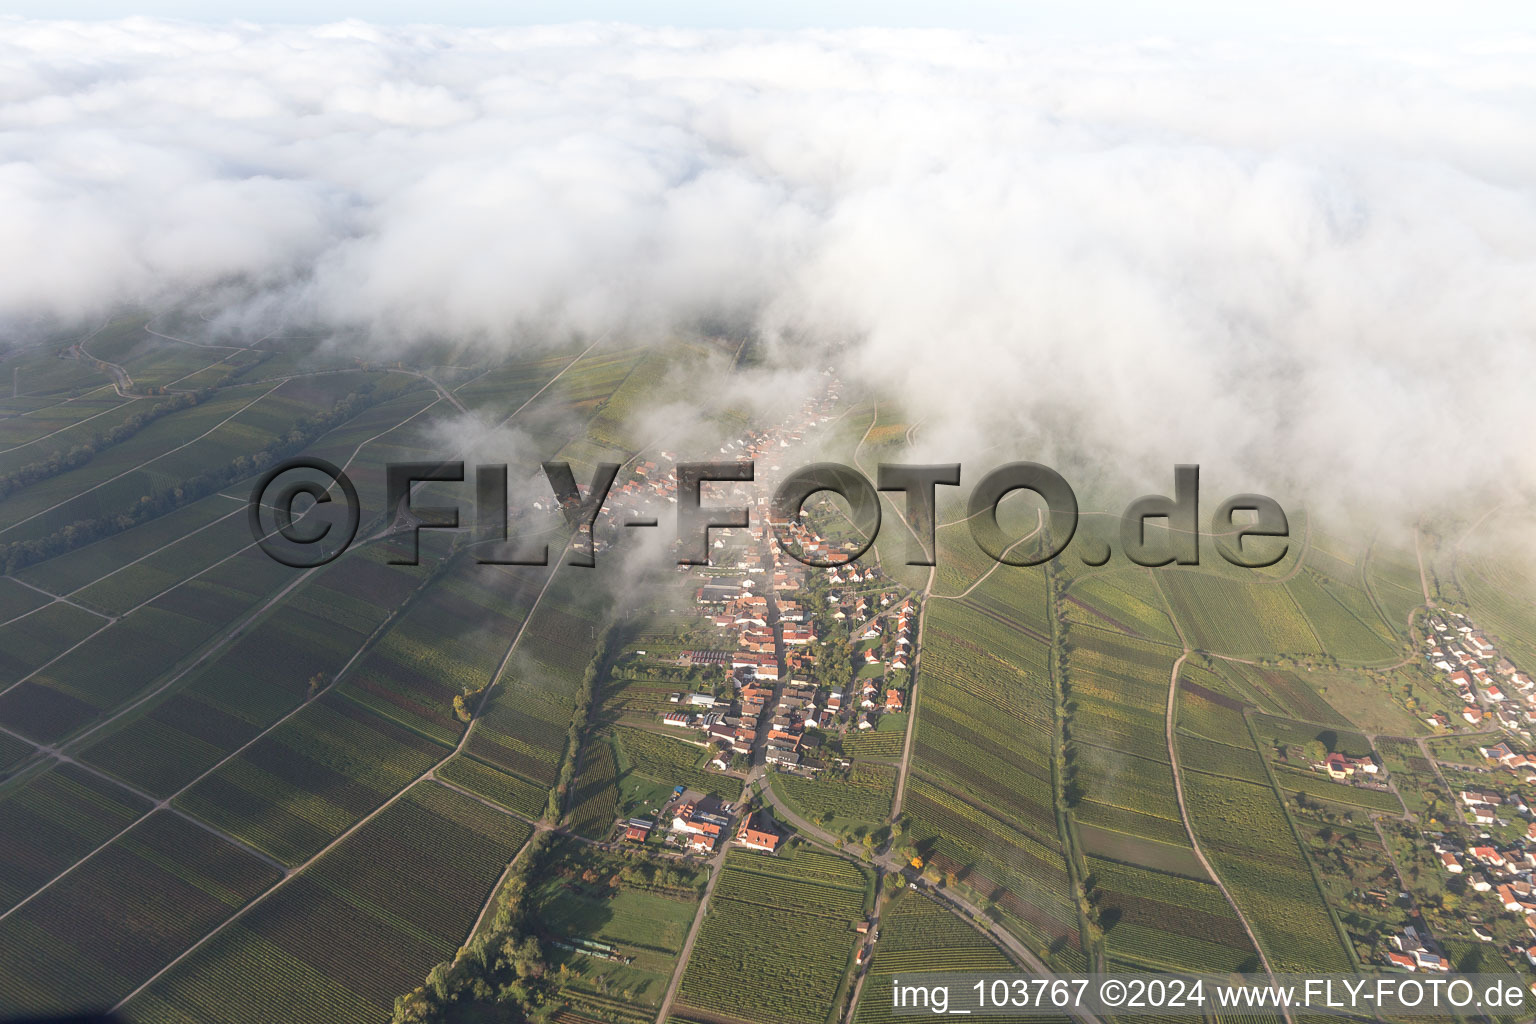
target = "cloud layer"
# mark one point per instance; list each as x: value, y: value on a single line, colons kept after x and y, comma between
x: 1313, y: 262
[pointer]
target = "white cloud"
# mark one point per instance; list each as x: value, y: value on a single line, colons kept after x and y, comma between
x: 1310, y: 261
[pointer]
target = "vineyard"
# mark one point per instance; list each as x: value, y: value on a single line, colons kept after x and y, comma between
x: 1031, y: 869
x: 672, y: 763
x: 861, y: 796
x: 1301, y: 780
x: 1117, y: 765
x: 1124, y: 600
x: 980, y: 790
x: 917, y: 934
x: 262, y: 676
x: 1394, y: 580
x: 123, y: 659
x: 1166, y: 921
x: 636, y: 701
x: 1232, y: 617
x: 52, y: 821
x: 13, y: 751
x: 1119, y: 688
x: 17, y: 600
x: 1040, y: 786
x: 522, y: 730
x: 1017, y: 594
x: 1343, y: 619
x: 506, y: 387
x: 1244, y: 832
x: 873, y: 744
x: 118, y: 592
x: 1224, y: 760
x: 28, y: 644
x: 311, y: 778
x: 1497, y: 585
x: 494, y: 784
x: 1204, y: 712
x: 162, y: 885
x: 960, y: 562
x: 777, y: 940
x: 449, y: 642
x: 340, y: 941
x: 594, y: 796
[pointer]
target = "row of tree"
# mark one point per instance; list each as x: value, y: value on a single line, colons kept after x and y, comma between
x: 20, y: 554
x: 502, y: 967
x: 85, y: 451
x: 591, y: 681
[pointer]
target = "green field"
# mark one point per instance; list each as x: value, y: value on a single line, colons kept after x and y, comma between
x: 341, y: 940
x: 859, y: 797
x: 671, y: 763
x: 1244, y: 832
x: 777, y: 939
x: 312, y: 778
x: 97, y: 934
x: 53, y: 820
x: 980, y: 794
x: 917, y: 934
x: 639, y: 909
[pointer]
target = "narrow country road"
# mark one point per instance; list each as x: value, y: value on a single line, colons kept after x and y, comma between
x: 1021, y: 953
x: 716, y: 864
x: 1178, y: 790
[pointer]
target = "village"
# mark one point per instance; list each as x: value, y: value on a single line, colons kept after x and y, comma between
x: 777, y: 663
x: 1488, y: 857
x: 795, y: 656
x: 1489, y: 684
x: 804, y: 656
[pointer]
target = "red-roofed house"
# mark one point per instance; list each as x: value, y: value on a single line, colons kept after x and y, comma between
x: 756, y: 837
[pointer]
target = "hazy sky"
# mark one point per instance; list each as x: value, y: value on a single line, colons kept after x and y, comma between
x: 1382, y: 20
x: 1309, y: 259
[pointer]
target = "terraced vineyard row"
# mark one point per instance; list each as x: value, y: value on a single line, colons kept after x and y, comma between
x: 980, y: 793
x: 101, y: 931
x: 339, y: 942
x: 260, y: 677
x: 1245, y: 834
x: 917, y: 934
x: 312, y: 778
x: 776, y: 942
